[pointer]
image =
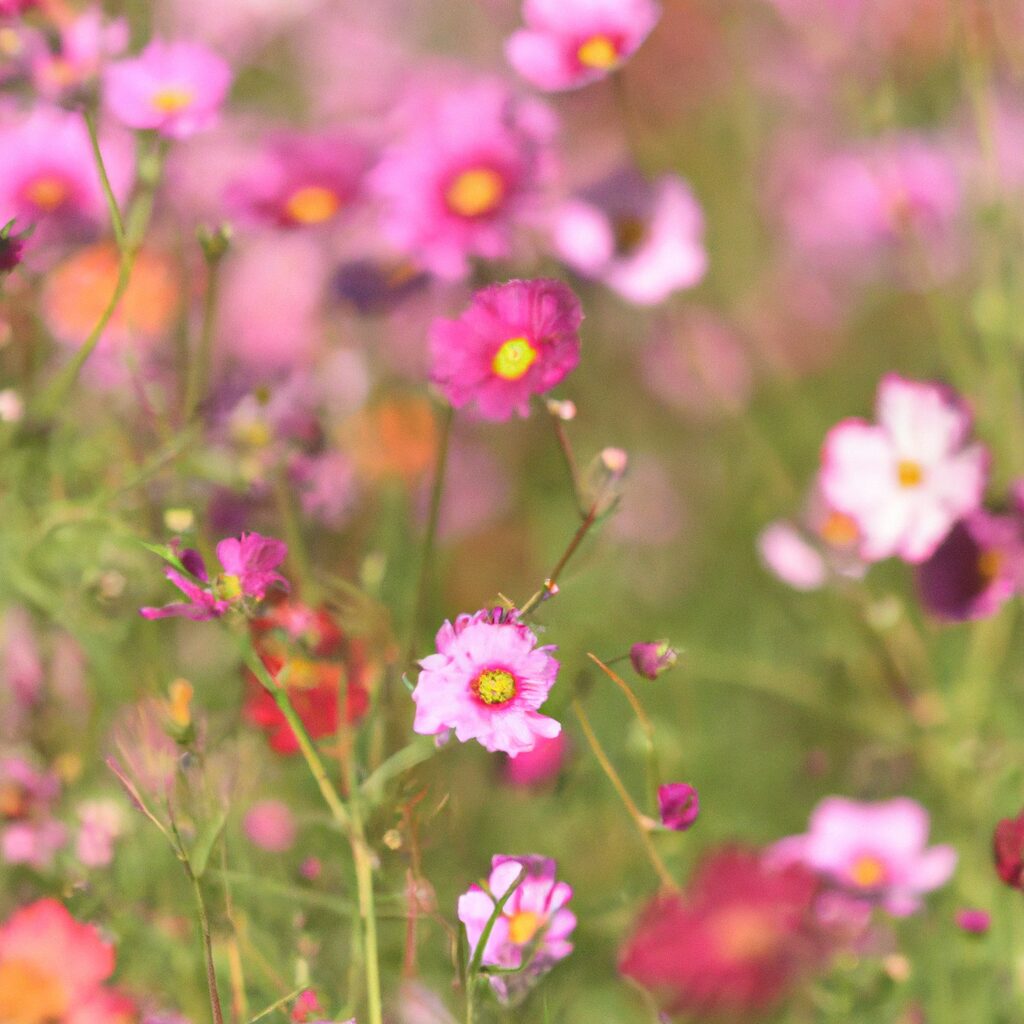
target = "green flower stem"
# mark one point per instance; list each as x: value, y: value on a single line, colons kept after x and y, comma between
x: 202, y: 359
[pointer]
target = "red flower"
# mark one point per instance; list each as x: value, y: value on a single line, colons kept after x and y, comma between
x: 736, y: 941
x: 1008, y: 850
x: 321, y: 662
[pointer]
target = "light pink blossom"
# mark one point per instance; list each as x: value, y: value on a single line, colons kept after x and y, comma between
x: 486, y: 681
x: 908, y: 478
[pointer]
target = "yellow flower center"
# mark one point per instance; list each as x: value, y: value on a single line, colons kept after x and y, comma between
x: 867, y: 872
x: 475, y: 192
x: 743, y: 934
x: 629, y: 233
x: 598, y: 52
x: 514, y: 358
x: 990, y: 564
x: 171, y: 99
x: 495, y: 686
x: 523, y: 926
x: 30, y: 995
x: 12, y: 800
x: 909, y: 473
x: 839, y: 530
x: 179, y: 706
x: 46, y: 193
x: 228, y: 587
x: 312, y: 204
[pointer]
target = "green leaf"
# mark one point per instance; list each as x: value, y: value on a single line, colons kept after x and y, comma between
x: 199, y: 855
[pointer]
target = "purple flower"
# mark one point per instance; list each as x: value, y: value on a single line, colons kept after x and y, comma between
x: 249, y: 567
x: 486, y: 682
x: 533, y: 928
x: 652, y: 658
x: 678, y: 805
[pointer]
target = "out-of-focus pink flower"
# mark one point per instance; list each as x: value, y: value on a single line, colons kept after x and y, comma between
x: 908, y: 479
x: 175, y: 88
x: 976, y: 569
x: 463, y: 176
x: 735, y: 942
x: 537, y: 766
x: 301, y: 180
x: 102, y: 824
x: 651, y: 658
x: 644, y: 240
x: 327, y: 486
x: 85, y: 42
x: 791, y: 557
x: 476, y: 490
x: 570, y: 43
x: 678, y: 805
x: 22, y: 660
x: 534, y: 920
x: 48, y: 172
x: 12, y: 248
x: 514, y: 341
x: 973, y: 921
x: 249, y: 568
x: 877, y: 851
x: 28, y: 832
x: 1008, y: 850
x: 52, y: 967
x: 270, y: 825
x: 850, y: 208
x: 486, y: 682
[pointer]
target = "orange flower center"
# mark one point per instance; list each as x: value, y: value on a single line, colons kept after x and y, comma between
x: 172, y: 99
x: 598, y: 52
x: 839, y: 530
x: 523, y: 926
x: 990, y: 564
x: 475, y: 192
x: 12, y: 800
x: 312, y: 204
x: 514, y: 358
x: 30, y: 995
x: 495, y: 686
x: 867, y: 872
x: 46, y: 193
x: 744, y: 934
x: 909, y: 473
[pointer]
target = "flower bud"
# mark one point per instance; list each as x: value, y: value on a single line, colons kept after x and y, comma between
x: 652, y: 658
x: 679, y: 805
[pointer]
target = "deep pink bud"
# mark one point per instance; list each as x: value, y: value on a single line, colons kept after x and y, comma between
x: 651, y: 659
x: 679, y: 805
x: 973, y: 921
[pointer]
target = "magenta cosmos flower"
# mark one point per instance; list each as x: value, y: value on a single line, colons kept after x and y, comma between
x: 464, y: 176
x: 976, y: 569
x: 249, y: 568
x: 533, y: 928
x: 301, y: 180
x: 644, y: 240
x: 515, y: 340
x: 486, y: 682
x: 907, y: 479
x: 875, y: 851
x: 174, y: 88
x: 569, y: 43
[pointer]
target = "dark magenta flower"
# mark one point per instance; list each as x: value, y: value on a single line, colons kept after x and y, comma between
x: 652, y: 658
x: 1008, y: 850
x: 678, y: 805
x: 515, y: 340
x: 249, y: 565
x: 973, y: 921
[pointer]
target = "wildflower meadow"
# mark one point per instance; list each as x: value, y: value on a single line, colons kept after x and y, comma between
x: 511, y: 510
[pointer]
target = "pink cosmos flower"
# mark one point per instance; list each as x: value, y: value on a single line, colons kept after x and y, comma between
x: 533, y: 928
x: 570, y: 43
x: 301, y: 180
x: 48, y: 173
x: 52, y: 967
x: 876, y: 851
x: 270, y: 825
x: 644, y: 240
x: 85, y: 42
x: 976, y: 569
x: 175, y: 88
x: 486, y: 682
x: 464, y: 175
x: 515, y: 340
x: 908, y: 479
x: 29, y: 834
x: 102, y: 823
x: 249, y: 568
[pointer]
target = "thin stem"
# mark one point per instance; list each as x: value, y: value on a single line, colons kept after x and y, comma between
x: 202, y: 358
x: 551, y: 583
x: 204, y: 925
x: 116, y: 221
x: 309, y: 751
x: 298, y: 555
x: 634, y: 812
x: 565, y: 446
x: 430, y: 537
